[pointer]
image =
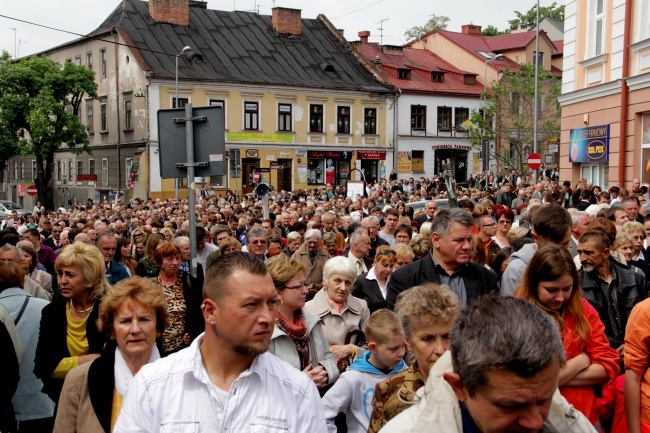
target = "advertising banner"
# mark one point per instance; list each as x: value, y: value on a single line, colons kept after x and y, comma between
x: 590, y: 144
x: 404, y: 162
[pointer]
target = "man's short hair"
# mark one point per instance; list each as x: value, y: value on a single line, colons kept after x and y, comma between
x: 201, y: 233
x: 327, y: 215
x: 391, y: 211
x: 442, y: 222
x: 102, y: 236
x: 483, y: 340
x: 216, y: 286
x: 256, y: 232
x: 356, y: 236
x: 33, y: 232
x: 611, y: 212
x: 551, y: 222
x: 597, y: 237
x: 180, y: 240
x: 585, y: 194
x: 382, y: 326
x: 220, y: 228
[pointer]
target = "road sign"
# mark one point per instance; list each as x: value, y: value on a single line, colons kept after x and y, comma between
x: 31, y: 190
x: 256, y: 176
x: 534, y: 161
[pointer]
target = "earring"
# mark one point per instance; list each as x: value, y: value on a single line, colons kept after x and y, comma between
x: 212, y: 323
x: 281, y: 301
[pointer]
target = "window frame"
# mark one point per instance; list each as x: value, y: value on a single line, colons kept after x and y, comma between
x: 80, y: 169
x: 418, y: 112
x: 370, y: 120
x: 282, y: 117
x: 469, y: 80
x: 105, y: 174
x: 597, y: 29
x: 103, y: 116
x: 314, y: 117
x: 90, y: 117
x: 102, y: 61
x: 439, y: 75
x: 343, y: 120
x: 184, y: 102
x: 251, y: 121
x: 128, y: 114
x: 89, y: 61
x: 91, y: 170
x: 220, y: 102
x: 461, y: 115
x: 403, y: 74
x: 127, y: 169
x: 444, y: 117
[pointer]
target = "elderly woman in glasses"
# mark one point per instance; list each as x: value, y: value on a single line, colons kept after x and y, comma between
x: 298, y: 337
x: 313, y: 256
x: 372, y: 286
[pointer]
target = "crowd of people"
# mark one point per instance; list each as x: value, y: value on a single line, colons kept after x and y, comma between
x: 522, y: 309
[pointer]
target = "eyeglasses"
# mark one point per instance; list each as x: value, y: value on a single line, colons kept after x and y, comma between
x: 258, y: 242
x: 300, y: 287
x: 506, y: 222
x: 491, y: 224
x: 386, y: 252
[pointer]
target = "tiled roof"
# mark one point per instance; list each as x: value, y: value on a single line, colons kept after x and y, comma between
x: 241, y: 47
x: 559, y: 45
x: 421, y: 63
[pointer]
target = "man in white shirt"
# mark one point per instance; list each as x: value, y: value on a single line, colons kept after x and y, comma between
x: 226, y: 381
x: 359, y: 249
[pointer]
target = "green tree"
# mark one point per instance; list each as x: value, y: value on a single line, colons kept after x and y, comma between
x: 436, y: 22
x: 529, y: 19
x: 39, y: 113
x: 509, y: 116
x: 493, y: 31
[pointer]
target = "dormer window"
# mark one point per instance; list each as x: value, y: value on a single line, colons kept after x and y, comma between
x: 438, y: 77
x: 470, y: 79
x: 404, y: 74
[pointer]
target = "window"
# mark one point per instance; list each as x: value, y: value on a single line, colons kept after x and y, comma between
x: 128, y: 163
x: 470, y: 79
x: 91, y: 166
x: 80, y: 168
x: 251, y: 116
x: 343, y: 120
x: 127, y: 114
x: 419, y: 117
x: 417, y: 161
x: 16, y: 170
x: 59, y: 171
x: 404, y: 74
x: 70, y: 172
x: 77, y: 61
x: 22, y: 170
x: 182, y: 102
x: 34, y: 172
x: 444, y: 118
x: 102, y: 60
x: 284, y: 117
x: 105, y: 171
x: 219, y: 103
x: 461, y: 116
x: 539, y: 60
x: 438, y: 77
x: 370, y: 121
x: 315, y: 118
x: 89, y: 61
x: 89, y: 117
x: 597, y: 28
x: 103, y: 116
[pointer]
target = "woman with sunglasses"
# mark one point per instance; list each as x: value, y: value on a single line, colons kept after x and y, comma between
x: 373, y: 285
x: 504, y: 218
x: 298, y: 337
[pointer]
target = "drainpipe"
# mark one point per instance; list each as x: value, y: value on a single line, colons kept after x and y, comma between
x: 117, y: 99
x: 624, y: 93
x: 395, y: 134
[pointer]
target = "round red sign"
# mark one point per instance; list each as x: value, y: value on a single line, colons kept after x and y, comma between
x: 534, y: 161
x: 31, y: 190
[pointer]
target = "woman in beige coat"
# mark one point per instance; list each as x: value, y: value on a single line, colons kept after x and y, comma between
x: 339, y: 312
x: 133, y: 314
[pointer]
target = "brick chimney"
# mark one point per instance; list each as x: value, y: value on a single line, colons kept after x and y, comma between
x: 175, y: 12
x: 286, y: 21
x: 363, y: 36
x: 471, y: 29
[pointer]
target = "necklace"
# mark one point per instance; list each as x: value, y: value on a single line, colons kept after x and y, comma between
x: 80, y: 311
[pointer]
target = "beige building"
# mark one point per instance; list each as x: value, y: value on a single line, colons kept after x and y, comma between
x: 606, y: 92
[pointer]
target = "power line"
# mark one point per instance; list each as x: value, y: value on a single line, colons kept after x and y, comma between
x: 357, y: 10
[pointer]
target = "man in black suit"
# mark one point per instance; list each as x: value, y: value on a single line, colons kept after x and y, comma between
x: 451, y: 235
x: 371, y: 223
x: 54, y: 241
x: 584, y: 203
x: 430, y: 209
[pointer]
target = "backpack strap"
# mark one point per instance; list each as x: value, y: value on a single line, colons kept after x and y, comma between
x: 22, y: 310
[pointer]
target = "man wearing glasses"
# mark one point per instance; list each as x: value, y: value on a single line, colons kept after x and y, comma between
x: 256, y: 242
x: 54, y: 241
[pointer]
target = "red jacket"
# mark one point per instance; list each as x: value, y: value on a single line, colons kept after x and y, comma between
x: 597, y: 347
x: 612, y: 402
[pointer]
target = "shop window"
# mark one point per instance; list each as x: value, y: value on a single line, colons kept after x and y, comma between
x: 284, y: 117
x: 251, y: 116
x: 419, y: 117
x: 444, y: 118
x: 417, y: 161
x: 370, y: 121
x: 343, y: 120
x: 315, y: 118
x: 315, y: 171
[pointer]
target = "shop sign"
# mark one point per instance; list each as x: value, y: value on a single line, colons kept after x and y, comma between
x: 259, y: 137
x: 301, y: 153
x: 250, y: 153
x: 590, y: 144
x: 265, y: 170
x: 285, y: 154
x: 277, y: 166
x: 371, y: 154
x: 329, y: 154
x: 404, y: 164
x: 452, y: 146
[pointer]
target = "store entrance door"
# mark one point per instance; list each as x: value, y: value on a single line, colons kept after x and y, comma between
x: 249, y: 165
x: 458, y: 160
x: 284, y: 175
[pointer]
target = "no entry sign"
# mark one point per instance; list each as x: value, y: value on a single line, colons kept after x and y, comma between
x: 534, y: 161
x: 31, y: 190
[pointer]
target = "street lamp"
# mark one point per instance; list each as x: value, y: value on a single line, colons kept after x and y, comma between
x: 487, y: 150
x: 186, y: 49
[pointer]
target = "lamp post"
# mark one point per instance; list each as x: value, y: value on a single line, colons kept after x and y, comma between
x: 185, y: 50
x: 487, y: 150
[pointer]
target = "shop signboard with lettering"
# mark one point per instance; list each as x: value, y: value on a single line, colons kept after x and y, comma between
x: 590, y: 144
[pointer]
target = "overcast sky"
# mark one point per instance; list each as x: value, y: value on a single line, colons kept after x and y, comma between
x: 83, y: 16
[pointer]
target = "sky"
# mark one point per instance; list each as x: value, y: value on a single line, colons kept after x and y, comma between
x: 83, y: 16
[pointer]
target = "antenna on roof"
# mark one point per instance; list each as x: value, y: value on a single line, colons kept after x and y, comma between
x: 381, y: 31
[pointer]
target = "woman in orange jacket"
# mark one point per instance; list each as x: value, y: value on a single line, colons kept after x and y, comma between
x: 551, y: 282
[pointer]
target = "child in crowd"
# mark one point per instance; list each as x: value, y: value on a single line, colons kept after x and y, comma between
x: 353, y: 392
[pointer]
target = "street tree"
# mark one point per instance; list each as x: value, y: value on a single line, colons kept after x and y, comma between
x: 39, y: 113
x: 436, y: 22
x: 509, y: 116
x: 493, y: 31
x: 529, y: 19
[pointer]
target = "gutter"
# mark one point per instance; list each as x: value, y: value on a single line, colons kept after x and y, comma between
x: 624, y: 93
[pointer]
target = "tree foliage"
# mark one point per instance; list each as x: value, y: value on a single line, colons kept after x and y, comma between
x: 529, y: 18
x: 509, y: 116
x: 39, y: 113
x: 436, y: 22
x: 493, y: 31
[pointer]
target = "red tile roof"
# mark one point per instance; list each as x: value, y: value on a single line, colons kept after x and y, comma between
x: 559, y: 45
x: 421, y: 63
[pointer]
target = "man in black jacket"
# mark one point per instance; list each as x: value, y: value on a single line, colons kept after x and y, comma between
x: 451, y: 235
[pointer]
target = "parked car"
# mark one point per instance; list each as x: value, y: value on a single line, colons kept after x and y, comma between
x: 6, y: 207
x: 443, y: 203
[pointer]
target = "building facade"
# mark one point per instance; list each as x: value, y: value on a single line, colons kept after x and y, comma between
x: 606, y: 92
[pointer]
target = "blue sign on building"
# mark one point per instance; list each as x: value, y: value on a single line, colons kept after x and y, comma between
x: 590, y: 144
